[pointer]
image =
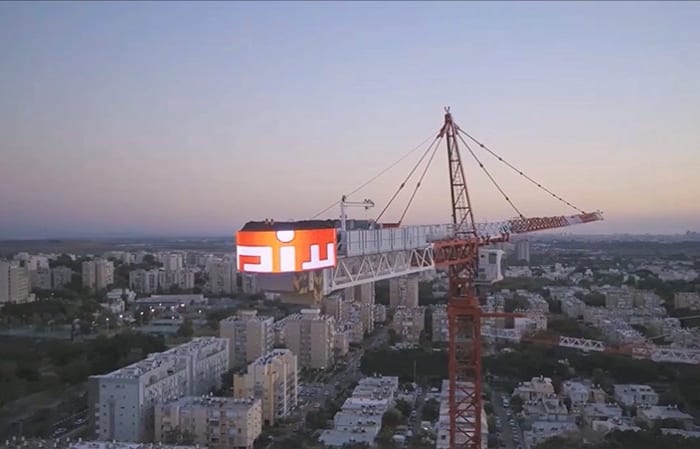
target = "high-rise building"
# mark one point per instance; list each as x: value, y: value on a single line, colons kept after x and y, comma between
x: 222, y: 277
x: 60, y: 277
x: 40, y: 278
x: 335, y: 306
x: 14, y: 283
x: 439, y: 324
x: 218, y: 423
x: 171, y: 261
x: 272, y: 378
x: 403, y: 291
x: 98, y: 274
x: 249, y: 335
x: 365, y: 293
x: 409, y: 322
x: 182, y: 278
x: 122, y: 402
x: 310, y: 336
x: 522, y: 250
x: 144, y: 281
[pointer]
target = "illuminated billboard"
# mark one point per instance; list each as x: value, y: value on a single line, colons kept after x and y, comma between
x: 285, y: 251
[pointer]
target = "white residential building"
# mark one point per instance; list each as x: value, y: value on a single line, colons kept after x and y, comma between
x: 578, y: 392
x: 543, y: 430
x: 219, y: 422
x: 686, y: 300
x: 360, y: 418
x: 409, y: 322
x: 403, y: 291
x: 60, y: 277
x: 223, y: 277
x: 14, y: 283
x: 535, y: 389
x: 98, y: 274
x: 633, y: 395
x: 311, y: 337
x: 122, y: 402
x: 439, y: 324
x: 182, y: 278
x: 144, y: 281
x: 651, y: 414
x: 250, y: 336
x: 40, y: 278
x: 272, y: 378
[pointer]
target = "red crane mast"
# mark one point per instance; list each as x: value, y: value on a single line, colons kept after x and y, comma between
x: 459, y: 255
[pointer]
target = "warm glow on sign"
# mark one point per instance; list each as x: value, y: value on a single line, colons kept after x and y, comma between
x: 285, y: 251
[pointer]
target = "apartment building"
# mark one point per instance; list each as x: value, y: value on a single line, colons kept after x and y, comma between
x: 122, y: 402
x: 634, y: 395
x: 310, y: 336
x: 439, y: 324
x: 535, y: 389
x: 40, y: 278
x: 250, y: 336
x: 98, y: 274
x: 182, y: 278
x: 144, y: 281
x: 272, y: 378
x: 379, y: 313
x: 218, y: 422
x: 14, y: 283
x: 223, y: 277
x: 360, y: 417
x: 686, y: 300
x: 522, y: 250
x: 403, y: 291
x: 337, y: 307
x: 60, y: 277
x: 409, y: 322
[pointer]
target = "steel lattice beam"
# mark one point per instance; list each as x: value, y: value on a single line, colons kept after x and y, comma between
x: 358, y: 270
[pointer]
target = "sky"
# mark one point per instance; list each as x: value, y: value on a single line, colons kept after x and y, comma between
x: 128, y: 118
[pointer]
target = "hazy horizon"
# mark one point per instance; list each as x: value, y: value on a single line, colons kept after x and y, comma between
x: 174, y: 119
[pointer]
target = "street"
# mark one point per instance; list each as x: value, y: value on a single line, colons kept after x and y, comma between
x: 510, y: 434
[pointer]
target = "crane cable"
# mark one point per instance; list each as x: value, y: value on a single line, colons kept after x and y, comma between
x: 481, y: 165
x: 375, y: 177
x: 418, y: 184
x: 459, y: 130
x: 403, y: 184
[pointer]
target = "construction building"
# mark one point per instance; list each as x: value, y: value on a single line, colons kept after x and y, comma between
x: 443, y: 425
x: 219, y: 423
x: 272, y: 378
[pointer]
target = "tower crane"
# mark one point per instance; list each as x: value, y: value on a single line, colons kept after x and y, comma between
x: 459, y: 255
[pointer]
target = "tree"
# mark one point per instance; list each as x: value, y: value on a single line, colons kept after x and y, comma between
x: 186, y: 329
x: 516, y: 403
x: 392, y: 418
x: 404, y: 407
x: 431, y: 410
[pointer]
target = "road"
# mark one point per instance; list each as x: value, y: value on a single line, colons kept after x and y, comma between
x: 420, y: 401
x: 331, y: 384
x: 505, y: 429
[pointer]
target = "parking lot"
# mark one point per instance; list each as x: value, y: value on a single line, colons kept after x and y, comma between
x: 507, y: 428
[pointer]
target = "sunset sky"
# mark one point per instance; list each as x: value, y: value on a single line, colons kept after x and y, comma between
x: 191, y: 119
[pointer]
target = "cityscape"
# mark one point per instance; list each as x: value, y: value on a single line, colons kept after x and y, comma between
x: 543, y: 292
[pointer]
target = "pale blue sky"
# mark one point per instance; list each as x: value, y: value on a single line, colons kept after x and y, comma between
x: 177, y: 118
